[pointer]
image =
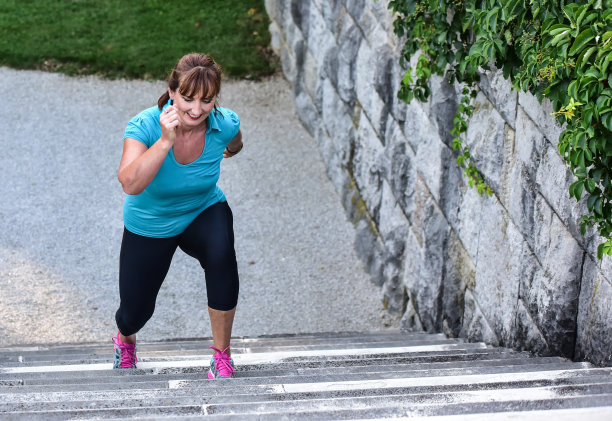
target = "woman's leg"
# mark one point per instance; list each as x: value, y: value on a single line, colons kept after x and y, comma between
x: 210, y: 239
x: 143, y: 265
x: 221, y: 323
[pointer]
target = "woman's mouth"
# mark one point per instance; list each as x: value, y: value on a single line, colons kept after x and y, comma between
x: 194, y: 117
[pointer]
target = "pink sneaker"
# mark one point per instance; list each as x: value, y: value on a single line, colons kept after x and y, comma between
x: 221, y: 365
x: 125, y: 354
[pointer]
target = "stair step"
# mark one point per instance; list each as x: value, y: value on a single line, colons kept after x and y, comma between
x: 252, y: 358
x: 329, y: 376
x: 136, y: 376
x: 296, y: 377
x: 73, y: 355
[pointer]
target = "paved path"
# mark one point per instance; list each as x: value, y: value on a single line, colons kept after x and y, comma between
x: 61, y: 224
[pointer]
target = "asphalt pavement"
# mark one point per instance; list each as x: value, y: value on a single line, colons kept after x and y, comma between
x: 61, y: 219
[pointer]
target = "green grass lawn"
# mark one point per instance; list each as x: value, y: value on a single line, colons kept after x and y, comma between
x: 134, y: 38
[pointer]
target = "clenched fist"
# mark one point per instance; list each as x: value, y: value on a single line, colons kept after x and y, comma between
x: 169, y: 122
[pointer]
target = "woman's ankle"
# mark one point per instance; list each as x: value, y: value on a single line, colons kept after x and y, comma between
x: 127, y: 339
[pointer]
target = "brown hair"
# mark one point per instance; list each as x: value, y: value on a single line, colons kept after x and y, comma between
x: 194, y: 74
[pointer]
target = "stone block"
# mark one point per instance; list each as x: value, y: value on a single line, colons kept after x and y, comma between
x: 553, y: 179
x: 300, y: 15
x: 395, y: 296
x: 475, y: 327
x: 330, y: 66
x: 467, y: 218
x: 443, y: 105
x: 384, y: 16
x: 500, y: 93
x: 329, y: 9
x: 393, y: 228
x: 367, y: 165
x: 340, y: 178
x: 497, y: 284
x: 336, y: 172
x: 400, y: 166
x: 292, y: 55
x: 541, y: 115
x: 384, y: 82
x: 338, y: 122
x: 289, y: 65
x: 550, y: 292
x: 369, y: 248
x: 414, y: 124
x: 307, y: 112
x: 365, y: 87
x: 310, y: 78
x: 278, y: 11
x: 410, y: 320
x: 320, y: 38
x: 485, y: 138
x: 526, y: 335
x: 519, y: 189
x: 276, y: 38
x: 431, y: 231
x: 459, y: 273
x: 594, y: 321
x: 349, y: 41
x: 433, y: 158
x: 393, y: 223
x: 272, y: 8
x: 355, y: 8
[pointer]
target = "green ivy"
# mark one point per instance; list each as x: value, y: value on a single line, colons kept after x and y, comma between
x: 559, y: 50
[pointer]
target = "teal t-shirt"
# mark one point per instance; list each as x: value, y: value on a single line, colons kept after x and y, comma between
x: 178, y: 193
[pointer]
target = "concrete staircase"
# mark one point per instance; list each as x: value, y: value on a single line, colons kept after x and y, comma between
x: 319, y: 376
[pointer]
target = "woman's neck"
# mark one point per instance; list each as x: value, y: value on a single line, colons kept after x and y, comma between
x: 191, y: 131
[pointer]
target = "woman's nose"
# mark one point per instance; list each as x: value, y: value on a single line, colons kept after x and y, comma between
x: 197, y: 108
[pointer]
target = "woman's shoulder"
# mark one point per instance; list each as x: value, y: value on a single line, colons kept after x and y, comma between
x: 151, y: 113
x: 226, y: 112
x: 226, y: 117
x: 144, y: 126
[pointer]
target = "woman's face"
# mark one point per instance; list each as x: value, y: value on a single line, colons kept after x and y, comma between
x: 192, y: 112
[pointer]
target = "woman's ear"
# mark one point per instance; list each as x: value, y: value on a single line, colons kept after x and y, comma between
x: 171, y: 93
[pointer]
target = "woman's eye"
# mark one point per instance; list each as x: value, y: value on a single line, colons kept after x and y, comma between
x: 187, y: 99
x: 207, y: 101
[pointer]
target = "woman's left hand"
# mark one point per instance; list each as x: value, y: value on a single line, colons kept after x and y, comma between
x: 234, y: 146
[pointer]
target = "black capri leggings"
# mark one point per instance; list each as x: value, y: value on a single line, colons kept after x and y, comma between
x: 144, y: 263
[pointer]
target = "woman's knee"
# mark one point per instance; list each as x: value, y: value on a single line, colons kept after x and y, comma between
x: 130, y: 321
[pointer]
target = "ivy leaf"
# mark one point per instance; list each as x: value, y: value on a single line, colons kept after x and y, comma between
x: 510, y: 10
x: 590, y: 186
x: 591, y: 202
x: 581, y: 40
x: 606, y: 120
x: 596, y: 174
x: 600, y: 251
x: 598, y: 206
x: 576, y: 189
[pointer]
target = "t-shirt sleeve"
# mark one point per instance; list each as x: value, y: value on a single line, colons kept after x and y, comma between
x: 139, y: 128
x: 232, y: 123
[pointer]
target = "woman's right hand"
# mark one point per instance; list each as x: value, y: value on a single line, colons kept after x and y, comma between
x: 169, y: 122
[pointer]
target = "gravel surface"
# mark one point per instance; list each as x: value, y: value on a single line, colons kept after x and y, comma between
x: 61, y: 219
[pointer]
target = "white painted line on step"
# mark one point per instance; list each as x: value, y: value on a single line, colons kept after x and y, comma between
x: 253, y: 358
x: 592, y: 414
x: 430, y: 381
x: 100, y: 367
x: 273, y: 357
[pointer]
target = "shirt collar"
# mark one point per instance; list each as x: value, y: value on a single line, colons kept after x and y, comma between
x: 212, y: 122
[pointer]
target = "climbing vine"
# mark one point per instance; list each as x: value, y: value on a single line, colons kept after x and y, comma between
x: 560, y: 50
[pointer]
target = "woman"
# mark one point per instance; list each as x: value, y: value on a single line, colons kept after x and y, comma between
x: 169, y: 170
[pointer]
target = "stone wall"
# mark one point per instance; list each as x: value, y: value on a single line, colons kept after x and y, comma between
x: 511, y: 269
